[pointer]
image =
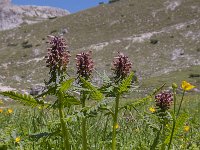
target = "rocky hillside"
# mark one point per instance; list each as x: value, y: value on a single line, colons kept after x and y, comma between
x: 160, y: 37
x: 12, y: 16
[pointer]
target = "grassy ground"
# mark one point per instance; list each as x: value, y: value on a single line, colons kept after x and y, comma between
x: 136, y: 128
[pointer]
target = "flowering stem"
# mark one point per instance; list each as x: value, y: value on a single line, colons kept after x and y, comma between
x: 174, y: 97
x: 63, y: 126
x: 174, y: 118
x: 84, y: 132
x: 180, y: 103
x: 115, y: 122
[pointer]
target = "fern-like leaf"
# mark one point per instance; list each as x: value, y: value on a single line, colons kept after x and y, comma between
x: 125, y: 84
x: 137, y: 103
x: 180, y: 121
x: 50, y: 91
x: 95, y: 94
x: 142, y: 101
x: 66, y: 85
x: 22, y: 98
x: 70, y: 100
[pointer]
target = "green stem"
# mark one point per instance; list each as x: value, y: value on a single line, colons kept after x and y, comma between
x: 104, y: 133
x: 63, y: 126
x: 180, y: 103
x: 84, y: 120
x: 163, y: 135
x: 172, y: 133
x: 156, y: 140
x: 115, y: 122
x: 174, y: 119
x: 174, y: 95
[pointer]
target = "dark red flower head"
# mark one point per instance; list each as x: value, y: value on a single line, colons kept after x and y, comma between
x: 57, y: 57
x: 121, y: 66
x: 164, y: 100
x: 85, y: 64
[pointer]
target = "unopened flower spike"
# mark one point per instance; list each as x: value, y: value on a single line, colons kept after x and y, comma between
x: 84, y: 64
x: 164, y: 100
x: 57, y: 57
x: 121, y: 66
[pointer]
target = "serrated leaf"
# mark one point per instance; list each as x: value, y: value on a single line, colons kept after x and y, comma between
x: 50, y: 91
x: 95, y: 94
x: 142, y: 101
x: 71, y: 100
x: 138, y: 102
x: 22, y: 98
x: 37, y: 136
x: 125, y: 84
x: 104, y: 77
x: 179, y: 124
x: 66, y: 85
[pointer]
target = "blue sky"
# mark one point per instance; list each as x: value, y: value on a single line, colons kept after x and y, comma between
x: 71, y: 5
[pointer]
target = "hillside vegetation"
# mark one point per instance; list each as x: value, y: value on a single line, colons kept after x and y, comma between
x: 160, y: 37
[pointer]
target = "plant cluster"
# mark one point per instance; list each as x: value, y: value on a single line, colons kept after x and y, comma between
x: 74, y: 96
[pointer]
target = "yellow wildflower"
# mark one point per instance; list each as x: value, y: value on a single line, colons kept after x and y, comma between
x: 10, y: 111
x: 1, y: 110
x: 187, y: 86
x: 152, y: 109
x: 17, y: 139
x: 116, y: 126
x: 186, y: 128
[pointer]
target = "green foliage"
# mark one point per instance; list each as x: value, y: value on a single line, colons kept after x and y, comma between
x: 112, y: 1
x: 125, y: 84
x: 26, y: 44
x: 36, y: 127
x: 66, y: 85
x: 49, y: 91
x: 70, y: 100
x: 23, y: 98
x: 137, y: 103
x: 94, y: 93
x: 180, y: 121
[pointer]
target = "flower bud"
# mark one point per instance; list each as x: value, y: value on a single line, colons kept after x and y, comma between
x: 121, y: 66
x: 164, y: 100
x: 57, y: 57
x: 174, y: 86
x: 85, y: 64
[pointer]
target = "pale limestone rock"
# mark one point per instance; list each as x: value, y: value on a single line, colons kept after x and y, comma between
x: 12, y: 16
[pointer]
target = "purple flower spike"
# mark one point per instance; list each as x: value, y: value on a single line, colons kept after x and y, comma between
x: 122, y: 66
x: 85, y: 64
x: 57, y: 57
x: 164, y: 100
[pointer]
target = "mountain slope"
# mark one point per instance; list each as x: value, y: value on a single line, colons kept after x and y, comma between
x: 160, y: 37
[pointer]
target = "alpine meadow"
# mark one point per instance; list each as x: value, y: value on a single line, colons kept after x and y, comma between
x: 124, y: 75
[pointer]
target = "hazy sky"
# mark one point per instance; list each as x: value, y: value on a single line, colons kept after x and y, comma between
x: 71, y: 5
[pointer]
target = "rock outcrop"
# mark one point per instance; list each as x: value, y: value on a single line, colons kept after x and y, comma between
x: 12, y: 16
